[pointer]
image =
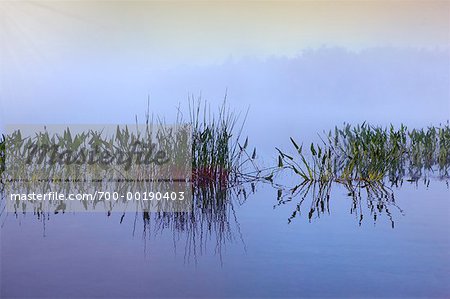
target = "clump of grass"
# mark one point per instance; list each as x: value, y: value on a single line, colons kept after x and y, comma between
x: 2, y: 154
x: 80, y: 156
x: 217, y: 155
x: 368, y: 153
x: 208, y: 144
x: 443, y: 156
x: 319, y: 168
x: 219, y: 162
x: 430, y: 148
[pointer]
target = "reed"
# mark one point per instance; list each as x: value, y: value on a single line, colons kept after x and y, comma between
x: 369, y: 153
x: 216, y: 159
x: 2, y: 154
x: 218, y: 156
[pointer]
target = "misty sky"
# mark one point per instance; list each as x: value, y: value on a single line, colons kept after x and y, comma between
x: 82, y: 62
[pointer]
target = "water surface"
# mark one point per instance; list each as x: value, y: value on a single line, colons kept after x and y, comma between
x: 253, y: 247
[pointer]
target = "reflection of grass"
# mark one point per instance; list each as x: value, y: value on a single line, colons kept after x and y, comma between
x: 209, y: 227
x: 375, y: 197
x: 367, y: 153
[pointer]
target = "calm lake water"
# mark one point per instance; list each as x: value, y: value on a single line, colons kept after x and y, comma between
x: 299, y: 68
x: 253, y: 248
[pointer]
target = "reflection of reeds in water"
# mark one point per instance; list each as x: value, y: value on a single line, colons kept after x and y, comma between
x: 373, y: 197
x: 208, y: 227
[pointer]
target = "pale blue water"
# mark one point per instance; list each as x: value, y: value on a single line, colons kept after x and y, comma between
x: 92, y: 255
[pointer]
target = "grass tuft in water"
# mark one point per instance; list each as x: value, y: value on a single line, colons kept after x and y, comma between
x: 217, y: 154
x: 2, y: 154
x: 369, y: 153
